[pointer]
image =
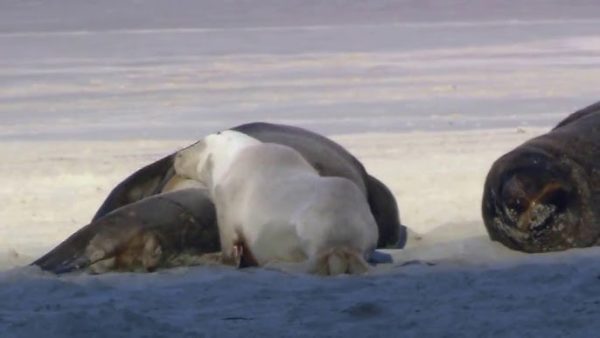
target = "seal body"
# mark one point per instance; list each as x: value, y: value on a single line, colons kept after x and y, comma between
x: 165, y: 230
x: 143, y: 183
x: 325, y: 156
x: 332, y: 160
x: 275, y: 207
x: 545, y: 194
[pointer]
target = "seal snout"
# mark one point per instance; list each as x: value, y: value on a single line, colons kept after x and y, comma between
x: 531, y: 202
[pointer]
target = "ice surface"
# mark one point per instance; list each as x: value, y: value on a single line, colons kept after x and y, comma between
x: 154, y: 69
x: 427, y: 94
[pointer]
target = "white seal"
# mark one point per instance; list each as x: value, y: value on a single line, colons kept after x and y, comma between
x: 274, y: 204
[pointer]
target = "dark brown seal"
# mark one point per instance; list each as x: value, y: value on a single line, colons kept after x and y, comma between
x: 165, y: 230
x: 545, y: 194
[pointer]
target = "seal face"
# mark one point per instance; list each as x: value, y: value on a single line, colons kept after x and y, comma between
x: 274, y: 207
x: 543, y: 195
x: 165, y: 230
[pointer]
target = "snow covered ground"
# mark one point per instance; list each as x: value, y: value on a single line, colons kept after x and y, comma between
x: 427, y: 95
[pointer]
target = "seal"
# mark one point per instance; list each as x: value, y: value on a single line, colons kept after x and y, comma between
x: 330, y: 159
x: 545, y: 194
x: 327, y: 157
x: 177, y: 228
x: 274, y: 207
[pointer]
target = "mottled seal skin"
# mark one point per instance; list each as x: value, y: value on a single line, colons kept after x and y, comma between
x: 326, y: 156
x: 545, y: 194
x: 143, y: 183
x: 164, y: 230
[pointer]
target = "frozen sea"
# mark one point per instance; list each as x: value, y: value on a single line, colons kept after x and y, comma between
x: 426, y: 93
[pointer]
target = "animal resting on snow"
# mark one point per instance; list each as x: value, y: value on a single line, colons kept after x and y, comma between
x: 545, y: 194
x: 130, y: 220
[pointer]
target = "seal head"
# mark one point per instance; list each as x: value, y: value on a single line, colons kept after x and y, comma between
x: 538, y: 201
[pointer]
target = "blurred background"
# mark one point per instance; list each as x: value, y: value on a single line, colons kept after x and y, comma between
x: 160, y: 69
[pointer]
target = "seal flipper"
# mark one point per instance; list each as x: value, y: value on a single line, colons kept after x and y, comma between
x: 378, y: 257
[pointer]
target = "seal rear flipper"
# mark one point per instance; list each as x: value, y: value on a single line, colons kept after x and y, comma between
x: 378, y: 257
x: 339, y: 261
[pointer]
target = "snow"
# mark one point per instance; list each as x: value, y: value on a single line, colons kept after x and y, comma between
x: 427, y: 95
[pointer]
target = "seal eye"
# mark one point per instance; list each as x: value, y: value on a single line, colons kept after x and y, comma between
x: 515, y: 194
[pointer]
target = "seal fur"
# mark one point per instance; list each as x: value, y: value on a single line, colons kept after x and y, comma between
x: 545, y: 194
x: 165, y: 230
x: 269, y: 197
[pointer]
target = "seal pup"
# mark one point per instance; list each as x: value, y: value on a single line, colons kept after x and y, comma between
x: 171, y: 229
x: 324, y: 155
x: 545, y: 194
x: 331, y: 159
x: 273, y: 206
